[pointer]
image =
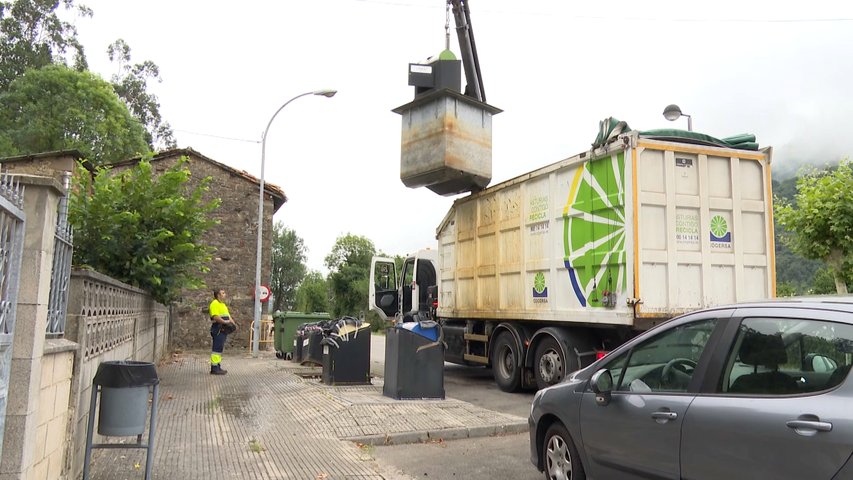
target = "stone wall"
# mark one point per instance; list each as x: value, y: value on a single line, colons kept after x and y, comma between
x: 234, y: 240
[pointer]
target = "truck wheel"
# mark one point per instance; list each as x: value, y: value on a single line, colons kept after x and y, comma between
x: 505, y: 362
x: 550, y: 365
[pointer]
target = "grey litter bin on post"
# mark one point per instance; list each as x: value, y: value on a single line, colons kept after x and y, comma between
x: 124, y: 388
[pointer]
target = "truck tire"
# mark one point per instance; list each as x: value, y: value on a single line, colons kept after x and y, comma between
x: 506, y: 359
x: 549, y: 364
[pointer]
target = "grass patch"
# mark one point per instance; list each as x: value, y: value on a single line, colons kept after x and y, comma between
x: 255, y: 446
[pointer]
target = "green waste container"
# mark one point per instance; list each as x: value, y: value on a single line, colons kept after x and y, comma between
x: 285, y: 327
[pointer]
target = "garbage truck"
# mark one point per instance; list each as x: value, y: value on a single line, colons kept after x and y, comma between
x: 539, y: 275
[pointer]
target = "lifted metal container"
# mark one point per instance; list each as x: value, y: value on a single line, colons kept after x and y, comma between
x: 446, y: 142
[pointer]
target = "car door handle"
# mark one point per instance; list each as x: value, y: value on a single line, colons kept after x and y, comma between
x: 664, y: 415
x: 807, y: 425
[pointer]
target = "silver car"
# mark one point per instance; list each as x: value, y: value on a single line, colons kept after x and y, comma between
x: 749, y: 391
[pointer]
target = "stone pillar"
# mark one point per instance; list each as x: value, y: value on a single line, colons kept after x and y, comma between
x: 41, y: 200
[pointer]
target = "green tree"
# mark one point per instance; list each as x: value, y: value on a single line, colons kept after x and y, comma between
x: 824, y: 281
x: 313, y: 293
x: 820, y: 225
x: 141, y: 228
x: 131, y: 85
x: 288, y: 266
x: 349, y: 273
x: 795, y: 274
x: 33, y: 36
x: 56, y: 108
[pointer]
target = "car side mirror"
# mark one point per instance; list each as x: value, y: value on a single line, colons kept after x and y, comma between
x: 602, y: 384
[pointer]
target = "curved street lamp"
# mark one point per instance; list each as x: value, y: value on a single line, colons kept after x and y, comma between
x: 673, y: 112
x: 256, y: 320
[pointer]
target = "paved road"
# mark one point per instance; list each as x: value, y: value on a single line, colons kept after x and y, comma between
x: 488, y: 458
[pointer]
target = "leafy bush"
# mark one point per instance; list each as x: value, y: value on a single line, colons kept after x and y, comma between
x: 143, y: 229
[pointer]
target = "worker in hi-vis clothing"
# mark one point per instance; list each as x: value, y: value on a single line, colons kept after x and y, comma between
x: 221, y: 325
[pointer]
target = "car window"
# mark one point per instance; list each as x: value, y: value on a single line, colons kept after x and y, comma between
x: 784, y: 356
x: 408, y: 273
x: 665, y: 362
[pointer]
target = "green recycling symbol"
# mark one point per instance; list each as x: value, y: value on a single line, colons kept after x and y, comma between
x: 539, y: 282
x: 719, y: 227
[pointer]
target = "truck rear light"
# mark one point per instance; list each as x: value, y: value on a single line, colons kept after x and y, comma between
x: 599, y: 354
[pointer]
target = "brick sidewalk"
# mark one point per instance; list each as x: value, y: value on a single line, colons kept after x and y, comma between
x: 272, y: 419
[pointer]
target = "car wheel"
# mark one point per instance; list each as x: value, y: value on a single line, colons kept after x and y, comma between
x: 550, y: 366
x: 505, y: 362
x: 561, y: 459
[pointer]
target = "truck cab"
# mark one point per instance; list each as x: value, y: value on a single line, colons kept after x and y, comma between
x: 394, y: 294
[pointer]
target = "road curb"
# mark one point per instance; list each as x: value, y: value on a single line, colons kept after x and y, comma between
x: 424, y: 436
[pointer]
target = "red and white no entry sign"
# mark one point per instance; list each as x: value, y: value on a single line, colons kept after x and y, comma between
x: 265, y: 293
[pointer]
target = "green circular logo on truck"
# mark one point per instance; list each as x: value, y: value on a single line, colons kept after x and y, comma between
x: 539, y: 282
x: 719, y: 227
x: 594, y: 235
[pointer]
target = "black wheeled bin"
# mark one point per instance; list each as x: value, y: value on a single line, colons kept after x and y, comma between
x: 298, y: 338
x: 414, y: 362
x: 312, y: 350
x: 346, y: 354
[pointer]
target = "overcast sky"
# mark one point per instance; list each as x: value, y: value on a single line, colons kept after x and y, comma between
x: 782, y: 70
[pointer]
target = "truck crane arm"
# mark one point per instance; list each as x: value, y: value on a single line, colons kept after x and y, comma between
x: 468, y: 48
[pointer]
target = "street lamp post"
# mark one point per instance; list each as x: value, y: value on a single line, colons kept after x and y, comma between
x: 256, y: 320
x: 673, y: 112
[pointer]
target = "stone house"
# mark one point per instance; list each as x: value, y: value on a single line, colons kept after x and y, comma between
x: 234, y: 240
